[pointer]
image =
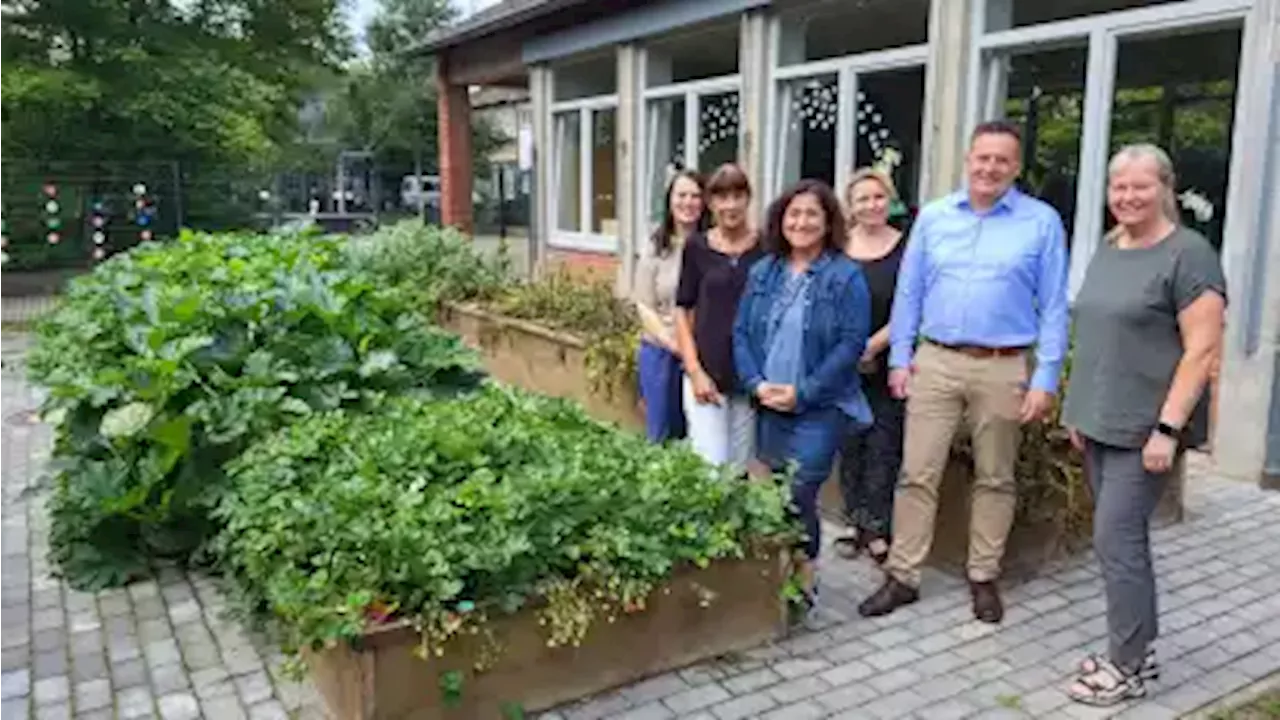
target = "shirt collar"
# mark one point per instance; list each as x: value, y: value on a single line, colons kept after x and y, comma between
x: 1005, y: 202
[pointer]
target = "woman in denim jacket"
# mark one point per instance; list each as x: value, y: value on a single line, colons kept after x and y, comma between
x: 801, y: 327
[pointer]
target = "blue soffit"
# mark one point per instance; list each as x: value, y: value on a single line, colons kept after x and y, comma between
x: 639, y: 22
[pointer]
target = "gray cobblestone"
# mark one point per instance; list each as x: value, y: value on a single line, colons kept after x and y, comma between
x: 807, y: 710
x: 750, y: 681
x: 697, y: 698
x: 744, y: 706
x: 799, y: 688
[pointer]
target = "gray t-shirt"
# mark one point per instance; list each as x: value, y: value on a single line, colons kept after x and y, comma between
x: 1127, y: 341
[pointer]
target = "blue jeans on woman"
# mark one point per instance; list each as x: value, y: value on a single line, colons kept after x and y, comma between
x: 810, y: 440
x: 660, y: 374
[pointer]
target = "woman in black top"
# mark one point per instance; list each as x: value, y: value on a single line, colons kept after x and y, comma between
x: 871, y: 457
x: 719, y: 417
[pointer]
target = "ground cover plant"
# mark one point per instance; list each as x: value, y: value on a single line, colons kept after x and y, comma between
x: 165, y: 362
x: 446, y: 513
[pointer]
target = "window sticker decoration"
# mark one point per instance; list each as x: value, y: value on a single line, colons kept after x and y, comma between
x: 719, y: 120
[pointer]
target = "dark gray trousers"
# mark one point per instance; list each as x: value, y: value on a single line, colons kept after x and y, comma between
x: 1124, y: 497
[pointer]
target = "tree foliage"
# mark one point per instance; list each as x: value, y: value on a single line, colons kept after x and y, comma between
x: 213, y: 81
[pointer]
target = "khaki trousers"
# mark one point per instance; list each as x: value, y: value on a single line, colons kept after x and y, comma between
x: 949, y: 387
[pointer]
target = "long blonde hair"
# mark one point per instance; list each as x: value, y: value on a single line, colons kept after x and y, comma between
x: 1164, y: 174
x: 867, y: 173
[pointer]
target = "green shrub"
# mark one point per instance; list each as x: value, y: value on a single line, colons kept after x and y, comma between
x: 431, y: 264
x: 166, y: 361
x: 448, y: 512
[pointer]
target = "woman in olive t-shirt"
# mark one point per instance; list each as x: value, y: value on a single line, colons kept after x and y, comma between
x: 1148, y: 325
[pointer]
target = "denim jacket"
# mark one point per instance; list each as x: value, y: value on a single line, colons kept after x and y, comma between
x: 837, y: 322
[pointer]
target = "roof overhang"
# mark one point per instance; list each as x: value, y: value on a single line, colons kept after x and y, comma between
x: 505, y: 15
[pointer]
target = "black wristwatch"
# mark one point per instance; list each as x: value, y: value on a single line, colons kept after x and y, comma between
x: 1168, y: 430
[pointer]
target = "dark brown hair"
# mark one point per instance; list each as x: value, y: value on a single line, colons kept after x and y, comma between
x: 662, y: 236
x: 776, y: 243
x: 997, y: 127
x: 728, y: 179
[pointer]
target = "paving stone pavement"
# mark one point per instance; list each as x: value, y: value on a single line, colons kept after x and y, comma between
x: 163, y: 649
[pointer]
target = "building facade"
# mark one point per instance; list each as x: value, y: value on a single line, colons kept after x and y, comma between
x: 625, y: 91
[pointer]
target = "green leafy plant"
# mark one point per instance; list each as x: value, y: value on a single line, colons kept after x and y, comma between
x: 588, y: 309
x: 165, y: 362
x: 445, y: 513
x: 429, y: 264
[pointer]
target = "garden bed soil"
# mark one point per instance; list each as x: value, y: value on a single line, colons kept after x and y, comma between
x: 383, y: 678
x: 536, y: 358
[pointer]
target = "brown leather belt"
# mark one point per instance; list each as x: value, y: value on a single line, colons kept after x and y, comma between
x: 978, y: 351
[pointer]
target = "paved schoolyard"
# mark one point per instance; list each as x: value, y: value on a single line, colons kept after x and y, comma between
x: 163, y: 649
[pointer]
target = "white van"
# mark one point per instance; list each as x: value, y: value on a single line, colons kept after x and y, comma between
x: 415, y: 191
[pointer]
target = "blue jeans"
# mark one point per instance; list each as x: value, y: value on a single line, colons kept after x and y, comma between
x: 660, y: 375
x: 810, y: 440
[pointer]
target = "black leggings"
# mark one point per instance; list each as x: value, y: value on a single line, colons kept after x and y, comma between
x: 869, y: 463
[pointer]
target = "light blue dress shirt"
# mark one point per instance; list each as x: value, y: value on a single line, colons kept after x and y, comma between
x: 994, y: 279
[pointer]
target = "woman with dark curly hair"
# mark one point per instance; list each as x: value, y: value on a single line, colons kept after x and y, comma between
x: 802, y: 324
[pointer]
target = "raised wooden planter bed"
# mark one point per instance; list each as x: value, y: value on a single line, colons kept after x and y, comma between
x: 383, y: 679
x: 536, y: 358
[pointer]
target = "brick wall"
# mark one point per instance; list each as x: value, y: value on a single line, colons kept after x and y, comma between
x: 453, y: 105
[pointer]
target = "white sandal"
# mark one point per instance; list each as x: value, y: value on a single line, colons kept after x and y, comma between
x: 1149, y: 670
x: 1107, y: 685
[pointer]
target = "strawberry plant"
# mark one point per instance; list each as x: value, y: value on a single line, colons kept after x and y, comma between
x: 448, y: 512
x: 166, y: 361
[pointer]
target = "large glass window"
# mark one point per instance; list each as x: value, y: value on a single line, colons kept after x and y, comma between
x: 1089, y: 76
x: 809, y: 108
x: 1045, y: 94
x: 585, y: 173
x: 689, y: 126
x: 889, y: 106
x: 1179, y: 92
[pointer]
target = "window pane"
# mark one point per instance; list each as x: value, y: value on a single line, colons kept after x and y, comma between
x: 586, y: 77
x: 665, y: 150
x: 1045, y: 94
x: 1179, y: 92
x: 706, y: 52
x: 889, y: 108
x: 820, y: 30
x: 808, y: 130
x: 1001, y: 14
x: 718, y: 120
x: 568, y: 134
x: 604, y: 179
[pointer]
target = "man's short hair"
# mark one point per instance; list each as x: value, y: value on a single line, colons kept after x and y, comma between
x: 997, y: 127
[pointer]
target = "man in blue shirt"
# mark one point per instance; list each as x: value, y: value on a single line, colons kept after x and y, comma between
x: 983, y: 286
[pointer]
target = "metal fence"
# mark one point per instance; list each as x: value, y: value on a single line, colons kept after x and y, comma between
x: 59, y: 214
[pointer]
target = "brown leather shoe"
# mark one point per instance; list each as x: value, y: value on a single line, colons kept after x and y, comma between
x: 891, y: 596
x: 986, y: 602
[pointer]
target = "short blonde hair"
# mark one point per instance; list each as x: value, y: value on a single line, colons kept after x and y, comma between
x: 1164, y: 173
x: 867, y: 173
